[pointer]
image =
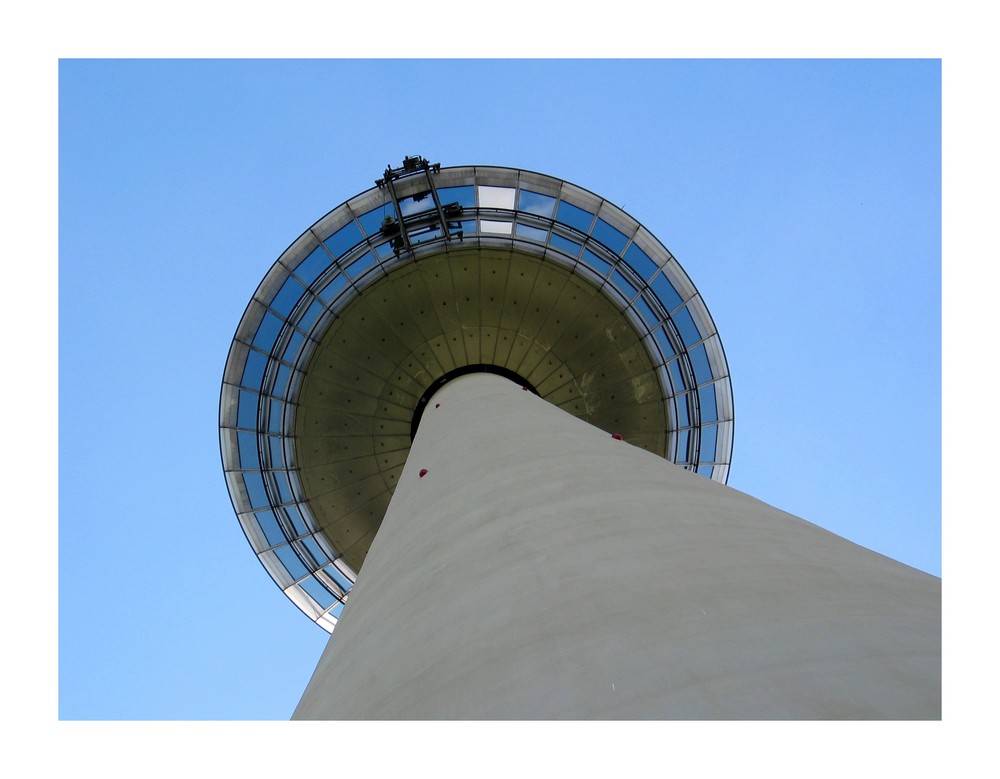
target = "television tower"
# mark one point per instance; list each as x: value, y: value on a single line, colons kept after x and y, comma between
x: 479, y: 420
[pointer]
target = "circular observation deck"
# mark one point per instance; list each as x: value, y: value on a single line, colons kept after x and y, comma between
x: 432, y: 273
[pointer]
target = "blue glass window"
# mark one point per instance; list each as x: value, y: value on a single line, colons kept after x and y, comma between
x: 706, y: 400
x: 676, y: 375
x: 682, y: 446
x: 318, y: 592
x: 342, y: 240
x: 294, y: 342
x: 284, y: 488
x: 274, y: 418
x: 706, y: 471
x: 296, y: 518
x: 337, y: 285
x: 686, y: 327
x: 535, y: 203
x: 313, y: 265
x: 267, y: 332
x: 623, y: 284
x: 574, y: 217
x: 246, y: 415
x: 291, y: 561
x: 277, y: 455
x: 255, y: 489
x: 534, y: 233
x: 371, y: 221
x: 272, y: 530
x: 707, y: 451
x: 384, y: 250
x: 683, y: 417
x: 665, y: 292
x: 287, y: 296
x: 647, y: 313
x: 281, y: 380
x: 700, y: 364
x: 310, y: 316
x: 337, y: 576
x: 337, y: 610
x: 317, y: 554
x: 253, y: 371
x: 360, y: 265
x: 417, y: 203
x: 571, y: 248
x: 666, y: 348
x: 602, y: 266
x: 464, y: 196
x: 609, y: 236
x: 248, y: 451
x: 640, y: 261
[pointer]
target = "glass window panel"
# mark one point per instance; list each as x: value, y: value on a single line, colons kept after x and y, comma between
x: 337, y: 610
x: 622, y: 283
x: 277, y: 452
x: 312, y: 266
x: 337, y: 576
x: 686, y: 326
x: 318, y: 592
x: 500, y: 228
x: 706, y: 471
x: 315, y: 551
x: 293, y: 347
x: 682, y: 446
x: 281, y: 380
x: 425, y: 234
x: 640, y: 261
x: 246, y: 415
x: 298, y: 523
x: 708, y: 436
x: 291, y: 561
x: 284, y: 488
x: 574, y: 217
x: 310, y: 316
x: 665, y: 292
x: 666, y: 349
x: 464, y: 196
x: 611, y: 237
x: 571, y: 248
x: 287, y: 296
x: 371, y: 221
x: 683, y: 416
x: 360, y: 265
x: 535, y: 203
x: 534, y: 233
x: 700, y: 364
x: 337, y: 285
x: 248, y: 451
x: 417, y: 203
x: 268, y: 331
x: 600, y: 265
x: 647, y: 313
x: 496, y: 197
x: 342, y: 240
x: 384, y: 250
x: 253, y: 371
x: 676, y: 375
x: 274, y: 417
x: 272, y: 530
x: 255, y: 489
x: 706, y: 400
x: 469, y: 226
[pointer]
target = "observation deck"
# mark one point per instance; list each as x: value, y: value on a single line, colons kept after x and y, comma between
x: 432, y: 273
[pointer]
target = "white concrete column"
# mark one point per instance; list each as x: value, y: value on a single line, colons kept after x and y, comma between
x: 541, y: 569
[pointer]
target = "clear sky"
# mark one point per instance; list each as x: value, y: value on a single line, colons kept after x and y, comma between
x: 802, y: 197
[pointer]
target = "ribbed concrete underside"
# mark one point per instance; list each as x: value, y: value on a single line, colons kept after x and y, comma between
x: 543, y: 570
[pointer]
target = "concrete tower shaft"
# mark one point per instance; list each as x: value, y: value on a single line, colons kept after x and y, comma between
x: 540, y: 568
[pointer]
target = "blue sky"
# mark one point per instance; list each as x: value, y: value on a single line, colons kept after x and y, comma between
x: 802, y: 197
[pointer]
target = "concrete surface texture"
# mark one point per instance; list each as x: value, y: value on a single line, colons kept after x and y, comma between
x: 542, y: 569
